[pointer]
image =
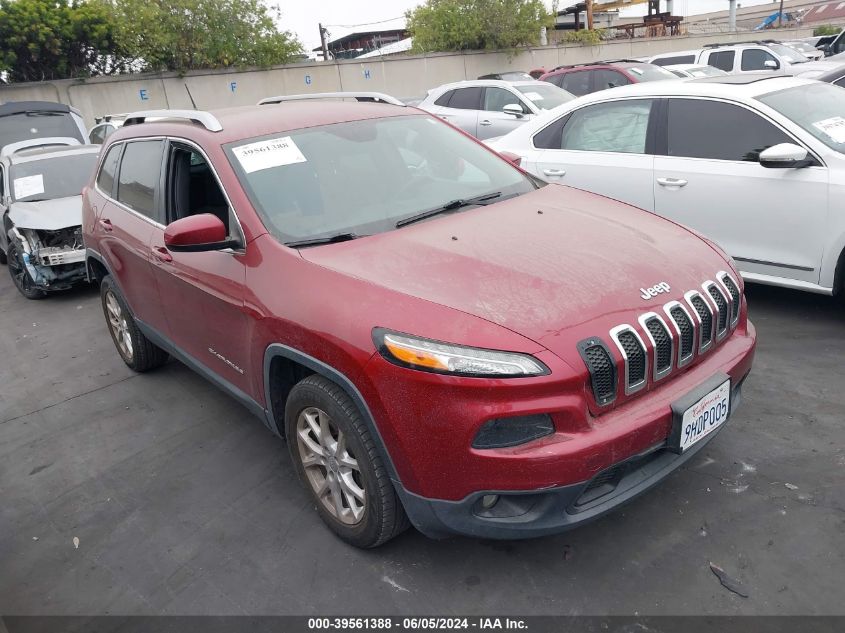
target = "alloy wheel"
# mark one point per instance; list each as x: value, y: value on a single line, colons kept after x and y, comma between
x: 331, y: 469
x: 119, y: 326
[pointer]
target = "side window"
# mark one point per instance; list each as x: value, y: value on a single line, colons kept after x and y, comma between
x: 556, y: 80
x: 719, y: 131
x: 604, y: 79
x: 105, y: 179
x: 840, y: 82
x: 2, y: 185
x: 617, y: 126
x: 550, y: 136
x: 497, y: 98
x: 443, y: 100
x: 192, y: 187
x: 578, y: 82
x: 466, y: 99
x: 97, y: 135
x: 140, y: 170
x: 722, y: 59
x: 755, y: 59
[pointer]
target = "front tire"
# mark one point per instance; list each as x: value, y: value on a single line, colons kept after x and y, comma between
x: 20, y: 275
x: 335, y: 456
x: 134, y: 348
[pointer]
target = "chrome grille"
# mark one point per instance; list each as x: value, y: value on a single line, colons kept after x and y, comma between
x: 633, y: 352
x: 722, y: 308
x: 663, y: 344
x: 733, y: 290
x: 684, y: 330
x: 602, y: 369
x: 705, y: 320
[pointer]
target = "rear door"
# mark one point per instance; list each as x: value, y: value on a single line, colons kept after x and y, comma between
x: 202, y: 293
x: 128, y: 220
x: 604, y: 147
x: 578, y: 82
x: 492, y: 121
x: 723, y: 60
x: 770, y: 220
x: 462, y: 108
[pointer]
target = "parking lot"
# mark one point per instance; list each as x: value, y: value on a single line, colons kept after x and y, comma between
x: 182, y: 503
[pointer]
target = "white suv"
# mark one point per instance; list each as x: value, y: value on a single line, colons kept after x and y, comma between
x: 737, y: 58
x: 756, y: 163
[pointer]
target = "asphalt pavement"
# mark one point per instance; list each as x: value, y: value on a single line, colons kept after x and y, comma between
x: 158, y: 494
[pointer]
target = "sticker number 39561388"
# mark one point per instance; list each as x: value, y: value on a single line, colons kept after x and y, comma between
x: 273, y: 152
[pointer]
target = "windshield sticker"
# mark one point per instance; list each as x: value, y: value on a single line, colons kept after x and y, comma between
x: 266, y: 154
x: 834, y: 127
x: 636, y: 71
x: 533, y: 96
x: 29, y: 186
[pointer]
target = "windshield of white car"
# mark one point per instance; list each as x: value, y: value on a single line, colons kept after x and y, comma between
x: 546, y: 96
x: 50, y: 178
x: 789, y: 54
x: 817, y: 107
x: 649, y: 72
x: 363, y: 177
x: 23, y: 126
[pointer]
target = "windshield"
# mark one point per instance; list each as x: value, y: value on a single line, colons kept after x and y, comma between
x: 27, y: 125
x: 49, y: 178
x: 649, y: 72
x: 545, y: 95
x: 801, y: 46
x: 706, y: 71
x: 818, y: 108
x: 789, y: 54
x: 363, y: 177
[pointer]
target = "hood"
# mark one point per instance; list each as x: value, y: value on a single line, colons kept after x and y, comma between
x: 47, y: 215
x: 553, y: 261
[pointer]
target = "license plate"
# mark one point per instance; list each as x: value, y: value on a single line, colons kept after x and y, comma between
x: 698, y: 420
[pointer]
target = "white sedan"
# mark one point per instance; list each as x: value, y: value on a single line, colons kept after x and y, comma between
x: 754, y: 162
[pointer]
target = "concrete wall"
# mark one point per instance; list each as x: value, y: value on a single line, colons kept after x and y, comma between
x: 401, y: 76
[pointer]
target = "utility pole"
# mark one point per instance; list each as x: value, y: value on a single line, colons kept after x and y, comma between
x: 780, y: 15
x: 323, y: 42
x: 590, y: 15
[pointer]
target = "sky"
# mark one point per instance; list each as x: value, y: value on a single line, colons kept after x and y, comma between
x: 342, y: 17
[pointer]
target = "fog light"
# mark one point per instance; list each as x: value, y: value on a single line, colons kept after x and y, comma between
x: 504, y: 432
x: 488, y: 501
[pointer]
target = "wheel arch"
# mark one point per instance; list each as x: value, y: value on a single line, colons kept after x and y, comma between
x: 284, y: 366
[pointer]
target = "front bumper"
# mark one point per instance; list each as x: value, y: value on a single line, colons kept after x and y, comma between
x: 531, y: 513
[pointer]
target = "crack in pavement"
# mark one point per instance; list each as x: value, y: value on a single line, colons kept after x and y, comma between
x: 68, y: 399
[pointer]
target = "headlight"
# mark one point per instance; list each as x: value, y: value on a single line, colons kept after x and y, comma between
x: 444, y: 358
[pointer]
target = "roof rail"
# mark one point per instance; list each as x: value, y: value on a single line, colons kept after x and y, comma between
x: 377, y: 97
x: 32, y: 143
x: 601, y: 63
x: 205, y: 119
x: 750, y: 42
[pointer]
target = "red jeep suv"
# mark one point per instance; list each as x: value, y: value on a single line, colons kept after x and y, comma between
x: 441, y: 338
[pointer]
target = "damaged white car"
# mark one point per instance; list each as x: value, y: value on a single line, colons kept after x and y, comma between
x: 41, y: 208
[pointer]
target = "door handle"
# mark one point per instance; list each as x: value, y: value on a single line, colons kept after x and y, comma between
x: 106, y: 225
x: 162, y: 254
x: 485, y: 122
x: 671, y: 182
x: 554, y: 173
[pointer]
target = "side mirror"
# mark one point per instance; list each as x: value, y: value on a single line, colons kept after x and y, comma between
x: 515, y: 109
x: 771, y: 64
x: 513, y: 159
x: 784, y: 156
x: 825, y: 48
x: 197, y: 233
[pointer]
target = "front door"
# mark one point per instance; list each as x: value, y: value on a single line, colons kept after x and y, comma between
x: 493, y: 121
x: 202, y: 293
x: 770, y: 220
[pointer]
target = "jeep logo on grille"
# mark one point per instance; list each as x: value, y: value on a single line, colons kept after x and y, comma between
x: 656, y: 289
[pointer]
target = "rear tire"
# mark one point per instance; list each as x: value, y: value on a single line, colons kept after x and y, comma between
x: 20, y: 275
x: 134, y: 348
x: 335, y: 456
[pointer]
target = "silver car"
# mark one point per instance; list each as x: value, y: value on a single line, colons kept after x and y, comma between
x: 490, y: 108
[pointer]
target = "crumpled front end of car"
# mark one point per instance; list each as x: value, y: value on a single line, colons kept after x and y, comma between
x: 54, y: 259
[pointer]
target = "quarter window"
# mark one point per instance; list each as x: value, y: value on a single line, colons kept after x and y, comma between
x: 755, y: 59
x: 105, y: 179
x: 723, y: 60
x: 617, y: 126
x: 443, y: 100
x: 677, y: 59
x: 140, y: 170
x: 719, y: 131
x: 495, y: 99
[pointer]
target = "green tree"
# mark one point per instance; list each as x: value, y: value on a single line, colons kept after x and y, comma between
x: 453, y: 25
x: 184, y: 35
x: 56, y: 39
x: 826, y: 29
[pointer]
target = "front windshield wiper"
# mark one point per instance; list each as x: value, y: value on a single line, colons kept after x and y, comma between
x: 449, y: 206
x: 327, y: 239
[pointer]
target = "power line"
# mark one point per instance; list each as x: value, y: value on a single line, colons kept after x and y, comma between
x: 354, y: 26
